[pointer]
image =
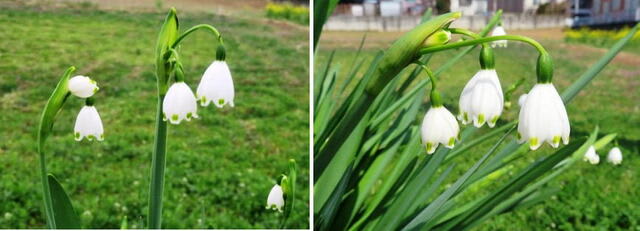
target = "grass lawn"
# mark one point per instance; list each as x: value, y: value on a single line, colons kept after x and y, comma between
x: 601, y: 197
x: 220, y: 167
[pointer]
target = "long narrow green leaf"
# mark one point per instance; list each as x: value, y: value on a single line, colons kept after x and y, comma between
x: 63, y: 212
x: 321, y: 12
x: 517, y: 183
x: 344, y: 160
x: 410, y: 153
x: 426, y: 215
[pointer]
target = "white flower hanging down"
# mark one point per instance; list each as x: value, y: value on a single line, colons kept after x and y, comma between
x: 275, y: 200
x: 591, y: 156
x: 543, y: 118
x: 498, y: 31
x: 179, y: 104
x: 88, y: 124
x: 482, y: 99
x: 82, y: 86
x: 615, y: 156
x: 216, y: 85
x: 439, y: 126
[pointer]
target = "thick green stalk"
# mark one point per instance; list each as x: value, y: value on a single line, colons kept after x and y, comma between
x: 157, y: 169
x: 46, y: 194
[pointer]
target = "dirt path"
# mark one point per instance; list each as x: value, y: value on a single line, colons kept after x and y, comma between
x: 381, y: 40
x: 229, y: 6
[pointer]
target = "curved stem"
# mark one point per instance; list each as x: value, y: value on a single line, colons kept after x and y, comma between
x: 464, y: 32
x: 477, y: 41
x: 435, y: 95
x: 197, y: 27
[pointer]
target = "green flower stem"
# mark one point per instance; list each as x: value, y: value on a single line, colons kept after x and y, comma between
x: 436, y: 101
x: 544, y: 67
x: 46, y: 194
x: 195, y: 28
x: 487, y: 60
x: 157, y: 169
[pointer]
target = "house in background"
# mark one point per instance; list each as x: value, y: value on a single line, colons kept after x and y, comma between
x: 603, y: 12
x: 486, y: 7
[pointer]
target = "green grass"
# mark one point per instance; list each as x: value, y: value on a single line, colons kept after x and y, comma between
x: 602, y: 197
x: 220, y: 168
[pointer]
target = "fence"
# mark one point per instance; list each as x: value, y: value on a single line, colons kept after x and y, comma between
x: 474, y: 22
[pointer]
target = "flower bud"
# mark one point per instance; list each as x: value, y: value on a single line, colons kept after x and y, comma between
x: 438, y: 38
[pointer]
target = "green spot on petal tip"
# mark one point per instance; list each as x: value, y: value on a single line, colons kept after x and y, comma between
x: 221, y: 101
x: 452, y: 141
x: 481, y: 119
x: 533, y: 141
x: 174, y: 118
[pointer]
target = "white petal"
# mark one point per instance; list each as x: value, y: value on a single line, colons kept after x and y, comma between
x: 88, y: 124
x: 439, y: 126
x: 543, y: 117
x: 82, y: 86
x: 216, y: 85
x: 179, y: 103
x: 275, y: 200
x: 614, y: 156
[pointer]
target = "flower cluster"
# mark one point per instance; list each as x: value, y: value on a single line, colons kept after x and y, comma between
x: 215, y: 86
x: 542, y: 117
x: 614, y: 157
x: 88, y: 123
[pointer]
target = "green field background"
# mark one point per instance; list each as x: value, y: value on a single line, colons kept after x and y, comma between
x: 220, y: 167
x: 600, y: 197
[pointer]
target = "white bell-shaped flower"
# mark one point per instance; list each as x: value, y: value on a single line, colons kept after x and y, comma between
x: 522, y: 99
x: 481, y: 99
x: 216, y: 85
x: 179, y: 104
x: 543, y: 118
x: 615, y: 156
x: 88, y: 124
x: 275, y: 200
x: 591, y: 156
x: 498, y: 31
x: 82, y: 86
x: 439, y: 126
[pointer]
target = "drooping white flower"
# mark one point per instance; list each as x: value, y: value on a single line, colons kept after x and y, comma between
x: 88, y: 124
x: 615, y: 156
x: 498, y: 31
x: 179, y: 104
x: 275, y: 200
x: 591, y: 156
x: 439, y: 126
x: 216, y: 85
x: 481, y: 99
x: 82, y: 86
x: 522, y: 99
x: 543, y: 118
